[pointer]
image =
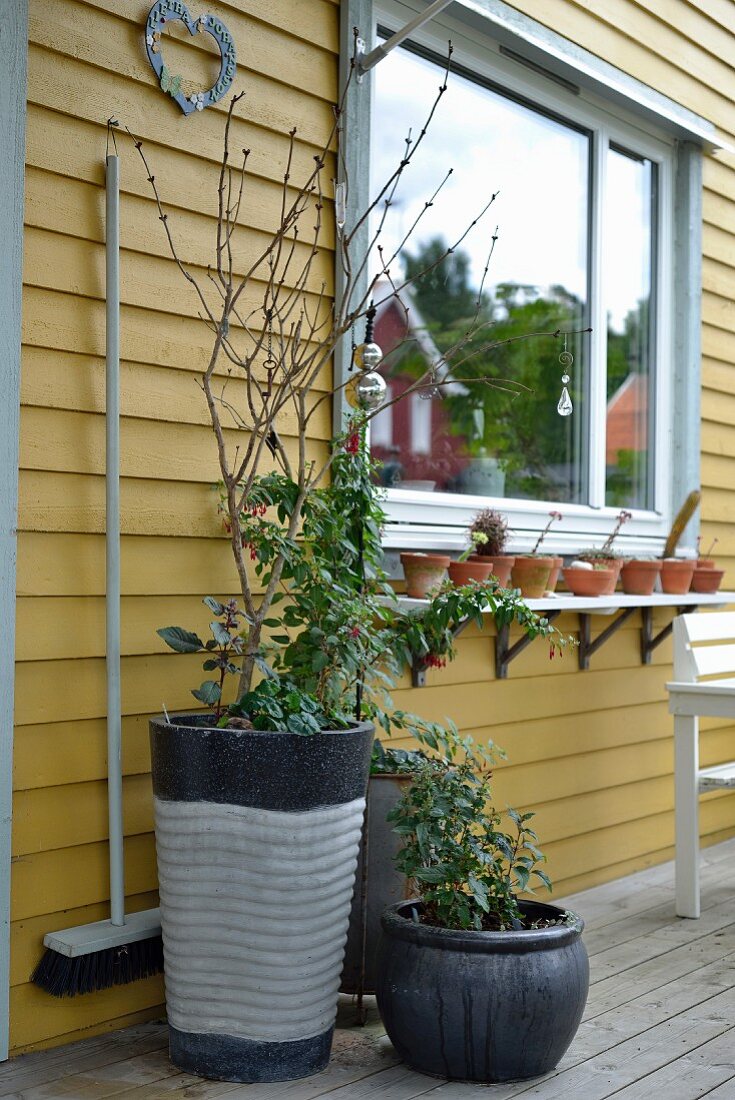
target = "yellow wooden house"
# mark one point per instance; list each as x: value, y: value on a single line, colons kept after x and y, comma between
x: 608, y: 129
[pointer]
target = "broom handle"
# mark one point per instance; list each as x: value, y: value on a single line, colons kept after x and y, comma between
x: 112, y: 540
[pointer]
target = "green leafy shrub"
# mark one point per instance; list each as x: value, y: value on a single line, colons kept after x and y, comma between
x: 465, y: 865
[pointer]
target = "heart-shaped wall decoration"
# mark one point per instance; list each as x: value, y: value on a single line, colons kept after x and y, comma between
x: 166, y: 11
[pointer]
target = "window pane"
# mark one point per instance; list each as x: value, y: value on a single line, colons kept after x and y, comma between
x: 629, y: 248
x: 478, y: 439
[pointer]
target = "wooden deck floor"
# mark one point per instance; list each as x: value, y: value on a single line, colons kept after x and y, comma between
x: 660, y: 1022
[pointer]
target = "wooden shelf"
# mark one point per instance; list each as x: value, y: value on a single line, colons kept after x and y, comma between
x: 619, y: 605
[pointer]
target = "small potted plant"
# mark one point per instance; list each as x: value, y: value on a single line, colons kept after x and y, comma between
x: 584, y: 578
x: 677, y: 575
x: 494, y: 527
x: 429, y: 636
x: 706, y: 561
x: 605, y: 555
x: 471, y: 566
x: 706, y: 577
x: 639, y: 575
x: 558, y: 562
x: 468, y: 939
x: 535, y: 573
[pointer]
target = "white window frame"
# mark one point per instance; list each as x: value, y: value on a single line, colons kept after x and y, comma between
x: 655, y: 131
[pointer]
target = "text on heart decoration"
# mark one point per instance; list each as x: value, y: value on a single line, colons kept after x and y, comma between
x: 168, y: 11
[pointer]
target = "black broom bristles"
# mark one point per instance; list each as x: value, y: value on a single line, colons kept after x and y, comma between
x: 66, y: 977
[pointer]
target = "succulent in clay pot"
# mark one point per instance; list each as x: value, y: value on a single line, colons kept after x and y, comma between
x: 607, y: 559
x: 470, y: 565
x: 494, y: 528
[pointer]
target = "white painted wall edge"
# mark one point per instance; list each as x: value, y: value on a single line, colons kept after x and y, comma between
x: 13, y: 77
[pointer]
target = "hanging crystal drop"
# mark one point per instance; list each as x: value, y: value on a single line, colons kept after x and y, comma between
x: 565, y: 406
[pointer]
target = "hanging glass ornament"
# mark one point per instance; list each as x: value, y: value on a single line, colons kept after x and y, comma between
x: 366, y: 391
x: 430, y: 391
x: 367, y: 356
x: 565, y: 406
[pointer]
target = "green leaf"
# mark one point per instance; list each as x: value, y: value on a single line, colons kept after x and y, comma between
x: 222, y: 636
x: 208, y: 693
x: 214, y: 605
x: 183, y: 641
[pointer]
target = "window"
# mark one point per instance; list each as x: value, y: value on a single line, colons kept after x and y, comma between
x: 584, y: 210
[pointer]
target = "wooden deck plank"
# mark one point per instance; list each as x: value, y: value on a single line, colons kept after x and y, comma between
x: 639, y: 1057
x: 695, y: 1075
x: 659, y: 971
x: 109, y: 1080
x: 659, y: 1021
x: 44, y: 1066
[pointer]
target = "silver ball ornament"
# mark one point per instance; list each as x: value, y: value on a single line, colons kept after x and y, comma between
x: 367, y: 356
x: 366, y: 391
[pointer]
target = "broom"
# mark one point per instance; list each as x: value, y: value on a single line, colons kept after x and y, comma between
x: 124, y: 948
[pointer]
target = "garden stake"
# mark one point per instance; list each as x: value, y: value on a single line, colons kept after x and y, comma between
x: 122, y: 949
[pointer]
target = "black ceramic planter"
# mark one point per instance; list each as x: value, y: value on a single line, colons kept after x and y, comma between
x: 481, y: 1006
x: 257, y: 837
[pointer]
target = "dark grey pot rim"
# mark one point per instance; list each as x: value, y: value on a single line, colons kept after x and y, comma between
x: 398, y: 924
x: 199, y: 720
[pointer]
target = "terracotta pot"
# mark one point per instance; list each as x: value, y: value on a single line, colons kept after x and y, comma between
x: 531, y: 575
x: 705, y: 563
x: 554, y: 575
x: 616, y: 564
x: 462, y: 572
x: 676, y: 575
x: 590, y: 582
x: 639, y: 576
x: 707, y: 580
x: 424, y: 573
x: 501, y: 566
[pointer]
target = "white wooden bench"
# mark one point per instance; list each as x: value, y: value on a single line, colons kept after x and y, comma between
x: 704, y: 646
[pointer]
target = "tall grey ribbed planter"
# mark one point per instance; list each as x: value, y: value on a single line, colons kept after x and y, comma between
x: 257, y: 837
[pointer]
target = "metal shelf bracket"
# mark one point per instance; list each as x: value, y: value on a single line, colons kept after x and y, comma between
x: 649, y: 641
x: 588, y: 645
x: 505, y: 653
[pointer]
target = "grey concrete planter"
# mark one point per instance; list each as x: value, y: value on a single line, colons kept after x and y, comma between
x: 257, y: 837
x: 481, y: 1006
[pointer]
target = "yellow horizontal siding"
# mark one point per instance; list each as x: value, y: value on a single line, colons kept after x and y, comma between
x: 590, y: 752
x: 86, y: 62
x: 71, y: 564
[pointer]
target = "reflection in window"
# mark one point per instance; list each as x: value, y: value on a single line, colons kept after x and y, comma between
x: 476, y: 439
x: 629, y: 248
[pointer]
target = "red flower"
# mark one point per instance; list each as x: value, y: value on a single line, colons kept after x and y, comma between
x: 352, y: 445
x: 355, y: 632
